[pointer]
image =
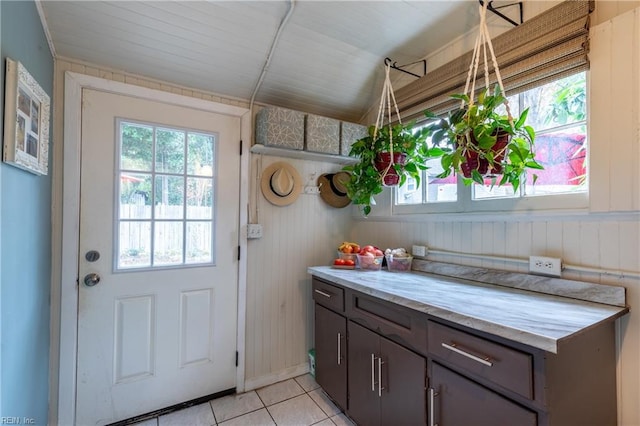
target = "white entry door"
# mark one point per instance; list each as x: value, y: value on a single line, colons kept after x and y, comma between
x: 158, y: 268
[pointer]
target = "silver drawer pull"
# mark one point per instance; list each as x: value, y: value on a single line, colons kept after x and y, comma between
x: 452, y: 347
x: 322, y: 293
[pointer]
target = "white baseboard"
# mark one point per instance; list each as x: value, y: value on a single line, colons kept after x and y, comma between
x: 269, y: 379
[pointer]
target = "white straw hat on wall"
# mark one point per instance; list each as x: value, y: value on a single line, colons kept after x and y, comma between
x: 280, y: 183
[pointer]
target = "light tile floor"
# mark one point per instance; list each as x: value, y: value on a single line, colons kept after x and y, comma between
x: 295, y: 402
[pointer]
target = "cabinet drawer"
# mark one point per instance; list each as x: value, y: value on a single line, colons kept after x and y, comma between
x: 507, y: 367
x: 396, y: 322
x: 328, y: 295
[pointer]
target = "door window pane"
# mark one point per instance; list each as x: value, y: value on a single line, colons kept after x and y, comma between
x: 199, y: 198
x: 168, y: 240
x: 199, y: 242
x: 169, y: 151
x: 134, y: 244
x: 136, y: 147
x: 200, y: 154
x: 163, y: 173
x: 135, y: 195
x: 169, y: 197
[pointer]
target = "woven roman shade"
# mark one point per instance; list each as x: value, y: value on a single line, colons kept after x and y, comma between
x: 548, y: 47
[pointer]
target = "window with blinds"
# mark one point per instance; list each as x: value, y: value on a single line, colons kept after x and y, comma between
x: 543, y: 64
x: 546, y: 48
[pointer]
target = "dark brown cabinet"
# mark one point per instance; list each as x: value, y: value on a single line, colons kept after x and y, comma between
x: 331, y: 354
x: 386, y: 381
x: 404, y: 367
x: 457, y: 401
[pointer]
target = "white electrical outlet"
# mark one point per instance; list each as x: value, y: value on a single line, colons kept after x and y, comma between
x: 419, y: 251
x: 254, y: 230
x: 550, y: 266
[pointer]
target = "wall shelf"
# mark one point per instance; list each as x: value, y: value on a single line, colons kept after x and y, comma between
x: 301, y: 155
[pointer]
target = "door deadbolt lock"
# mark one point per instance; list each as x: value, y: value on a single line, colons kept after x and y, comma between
x: 92, y: 255
x: 91, y: 279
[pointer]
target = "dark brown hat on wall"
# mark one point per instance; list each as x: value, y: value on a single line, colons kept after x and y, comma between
x: 333, y: 190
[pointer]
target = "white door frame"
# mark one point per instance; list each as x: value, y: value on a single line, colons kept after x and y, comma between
x: 65, y: 327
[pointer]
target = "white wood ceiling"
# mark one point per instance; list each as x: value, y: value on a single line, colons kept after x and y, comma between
x: 329, y: 59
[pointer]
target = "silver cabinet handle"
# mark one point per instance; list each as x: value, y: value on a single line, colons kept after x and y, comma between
x: 373, y: 373
x: 453, y: 347
x: 432, y: 410
x: 322, y: 293
x: 339, y: 337
x: 380, y: 377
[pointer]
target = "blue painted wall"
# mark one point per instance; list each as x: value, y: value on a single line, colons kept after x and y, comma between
x: 25, y: 240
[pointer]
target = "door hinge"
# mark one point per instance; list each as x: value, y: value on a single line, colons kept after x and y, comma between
x: 237, y: 355
x: 238, y: 252
x: 240, y: 146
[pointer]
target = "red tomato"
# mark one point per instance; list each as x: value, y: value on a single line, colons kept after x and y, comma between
x: 339, y: 262
x: 349, y: 262
x: 378, y: 252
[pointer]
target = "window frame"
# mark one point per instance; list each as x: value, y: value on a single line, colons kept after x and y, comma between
x: 152, y: 266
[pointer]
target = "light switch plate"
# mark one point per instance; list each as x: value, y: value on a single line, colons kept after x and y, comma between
x: 254, y: 230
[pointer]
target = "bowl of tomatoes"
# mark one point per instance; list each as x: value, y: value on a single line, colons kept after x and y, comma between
x: 344, y: 263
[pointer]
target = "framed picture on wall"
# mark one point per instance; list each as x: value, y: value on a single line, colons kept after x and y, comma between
x: 26, y: 121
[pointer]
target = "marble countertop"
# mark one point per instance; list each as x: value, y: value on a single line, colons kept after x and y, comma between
x: 539, y: 320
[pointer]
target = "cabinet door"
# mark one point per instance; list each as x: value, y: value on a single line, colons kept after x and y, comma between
x: 331, y: 354
x: 403, y: 395
x: 364, y: 403
x: 461, y: 402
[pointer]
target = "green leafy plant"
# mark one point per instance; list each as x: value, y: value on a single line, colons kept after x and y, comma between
x: 479, y: 142
x: 366, y: 180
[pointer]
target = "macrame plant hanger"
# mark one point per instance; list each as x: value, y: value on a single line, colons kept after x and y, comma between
x: 387, y: 101
x: 482, y: 41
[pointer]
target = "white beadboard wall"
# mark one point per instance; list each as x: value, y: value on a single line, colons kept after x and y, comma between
x: 279, y: 303
x: 606, y: 236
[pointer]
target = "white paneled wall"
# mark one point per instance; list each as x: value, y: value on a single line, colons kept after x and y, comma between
x: 279, y: 308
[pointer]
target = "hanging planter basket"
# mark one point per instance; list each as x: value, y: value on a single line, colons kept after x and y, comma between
x: 389, y: 155
x: 384, y: 164
x: 475, y: 161
x: 504, y: 145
